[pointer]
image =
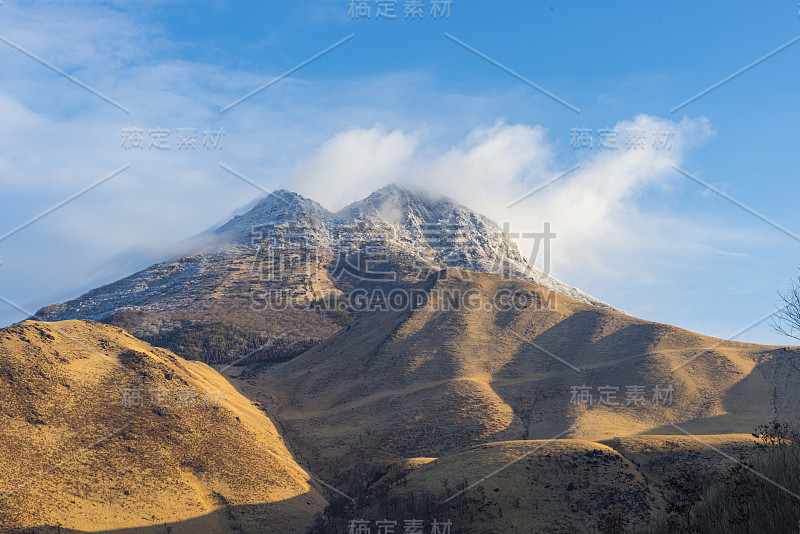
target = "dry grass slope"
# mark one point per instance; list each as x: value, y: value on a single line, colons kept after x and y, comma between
x: 74, y: 457
x: 545, y: 485
x: 429, y: 383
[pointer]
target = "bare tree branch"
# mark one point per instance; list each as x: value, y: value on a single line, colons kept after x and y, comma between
x: 786, y: 320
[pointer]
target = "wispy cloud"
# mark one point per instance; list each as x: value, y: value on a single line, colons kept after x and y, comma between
x: 598, y: 210
x: 334, y: 138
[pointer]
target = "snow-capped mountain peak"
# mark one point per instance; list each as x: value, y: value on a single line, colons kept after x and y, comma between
x: 414, y: 228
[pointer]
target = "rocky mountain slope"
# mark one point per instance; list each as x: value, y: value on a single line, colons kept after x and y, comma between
x: 288, y: 269
x: 101, y: 431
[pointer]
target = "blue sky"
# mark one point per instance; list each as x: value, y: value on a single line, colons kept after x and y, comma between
x: 400, y: 101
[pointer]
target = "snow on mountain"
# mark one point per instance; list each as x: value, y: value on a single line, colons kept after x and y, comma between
x: 416, y: 229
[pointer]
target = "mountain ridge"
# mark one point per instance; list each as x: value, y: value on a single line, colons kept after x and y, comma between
x: 286, y: 273
x: 283, y: 207
x: 435, y: 380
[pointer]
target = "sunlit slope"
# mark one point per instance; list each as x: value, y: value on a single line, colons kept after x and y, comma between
x: 432, y: 381
x: 562, y: 485
x: 82, y: 450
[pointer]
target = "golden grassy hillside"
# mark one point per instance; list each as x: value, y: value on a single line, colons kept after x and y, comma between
x: 553, y: 485
x: 103, y: 432
x: 432, y: 382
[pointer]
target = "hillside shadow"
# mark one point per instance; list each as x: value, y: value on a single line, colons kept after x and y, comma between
x: 244, y: 519
x: 537, y: 385
x: 750, y: 402
x: 573, y: 340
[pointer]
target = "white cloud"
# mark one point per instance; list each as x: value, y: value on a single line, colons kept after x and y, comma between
x: 353, y: 164
x: 316, y: 136
x: 608, y: 233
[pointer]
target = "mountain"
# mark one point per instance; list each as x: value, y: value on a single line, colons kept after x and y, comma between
x: 453, y: 373
x: 287, y: 274
x: 466, y: 405
x: 102, y: 431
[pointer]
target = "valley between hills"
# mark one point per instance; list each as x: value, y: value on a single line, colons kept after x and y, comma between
x: 497, y: 402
